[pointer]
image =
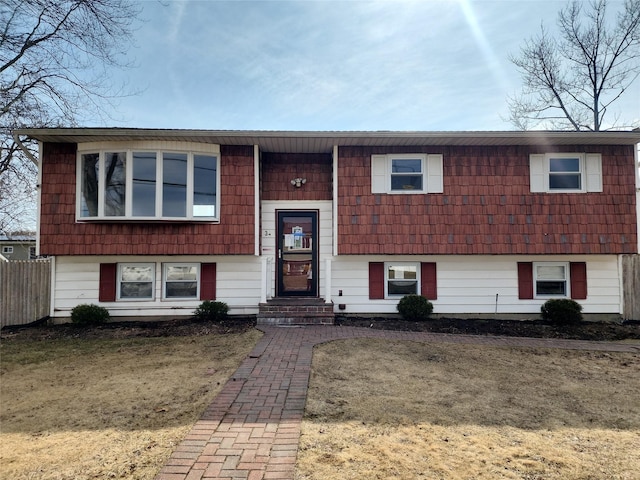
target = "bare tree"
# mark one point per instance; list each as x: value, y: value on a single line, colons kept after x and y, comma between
x: 56, y: 59
x: 570, y: 82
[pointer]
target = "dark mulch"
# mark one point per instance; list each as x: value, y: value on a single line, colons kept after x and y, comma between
x: 236, y: 324
x: 114, y: 329
x: 513, y: 328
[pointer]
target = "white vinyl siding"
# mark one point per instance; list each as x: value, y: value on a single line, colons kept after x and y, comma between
x: 469, y: 284
x: 325, y: 234
x: 385, y: 173
x: 542, y: 172
x: 78, y: 281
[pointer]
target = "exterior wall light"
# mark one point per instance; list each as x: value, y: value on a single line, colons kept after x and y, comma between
x: 298, y: 182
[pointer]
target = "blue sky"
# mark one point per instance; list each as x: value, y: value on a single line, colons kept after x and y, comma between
x: 332, y: 65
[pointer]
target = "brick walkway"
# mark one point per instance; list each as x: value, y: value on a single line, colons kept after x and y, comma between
x: 252, y: 428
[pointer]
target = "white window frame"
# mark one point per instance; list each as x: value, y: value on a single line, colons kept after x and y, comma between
x: 567, y: 279
x: 382, y: 171
x: 102, y: 148
x: 165, y: 267
x: 416, y: 265
x: 590, y: 172
x: 7, y: 249
x: 119, y: 282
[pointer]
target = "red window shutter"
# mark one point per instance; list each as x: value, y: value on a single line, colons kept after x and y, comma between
x: 578, y: 274
x: 376, y: 280
x: 429, y: 286
x: 107, y: 291
x: 208, y: 281
x: 525, y: 280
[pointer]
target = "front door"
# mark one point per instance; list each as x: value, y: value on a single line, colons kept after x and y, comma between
x: 297, y: 254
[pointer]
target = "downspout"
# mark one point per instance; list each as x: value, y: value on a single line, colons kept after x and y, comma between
x: 335, y: 200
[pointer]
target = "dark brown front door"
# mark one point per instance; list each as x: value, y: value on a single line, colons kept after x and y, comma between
x: 297, y: 254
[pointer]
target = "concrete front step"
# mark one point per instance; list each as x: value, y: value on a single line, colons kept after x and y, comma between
x: 296, y: 312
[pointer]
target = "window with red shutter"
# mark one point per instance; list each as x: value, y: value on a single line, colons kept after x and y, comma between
x: 208, y: 281
x: 525, y: 280
x: 107, y: 288
x: 428, y: 279
x: 376, y: 280
x: 578, y: 277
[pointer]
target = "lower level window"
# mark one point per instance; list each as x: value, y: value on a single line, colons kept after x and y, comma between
x: 401, y: 279
x: 135, y: 281
x: 181, y: 280
x: 550, y: 279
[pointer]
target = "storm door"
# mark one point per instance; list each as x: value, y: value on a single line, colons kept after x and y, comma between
x: 297, y: 254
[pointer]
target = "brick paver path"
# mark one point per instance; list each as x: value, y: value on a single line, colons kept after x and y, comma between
x: 252, y: 428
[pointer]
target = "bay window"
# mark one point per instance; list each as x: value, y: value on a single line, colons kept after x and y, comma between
x: 148, y: 185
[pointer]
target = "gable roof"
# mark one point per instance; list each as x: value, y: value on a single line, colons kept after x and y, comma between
x: 324, y: 141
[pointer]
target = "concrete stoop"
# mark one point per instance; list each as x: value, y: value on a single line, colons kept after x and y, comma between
x: 298, y: 311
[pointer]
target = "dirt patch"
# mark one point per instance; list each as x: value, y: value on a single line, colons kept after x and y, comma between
x: 511, y: 328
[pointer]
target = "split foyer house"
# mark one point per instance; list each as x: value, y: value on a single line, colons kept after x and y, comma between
x: 151, y: 222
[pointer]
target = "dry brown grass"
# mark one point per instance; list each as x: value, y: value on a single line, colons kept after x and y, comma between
x: 400, y: 410
x: 110, y: 408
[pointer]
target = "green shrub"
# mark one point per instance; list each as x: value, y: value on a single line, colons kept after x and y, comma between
x: 211, y: 311
x: 89, y: 314
x: 562, y: 311
x: 415, y: 307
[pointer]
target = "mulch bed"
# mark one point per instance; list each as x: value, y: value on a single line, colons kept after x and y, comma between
x: 604, y: 331
x: 184, y: 327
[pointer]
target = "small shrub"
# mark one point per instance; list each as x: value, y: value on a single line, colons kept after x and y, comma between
x: 89, y: 314
x: 415, y: 307
x: 562, y: 311
x: 211, y: 311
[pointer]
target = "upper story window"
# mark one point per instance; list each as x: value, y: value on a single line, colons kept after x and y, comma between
x: 145, y: 184
x: 566, y: 172
x: 406, y: 173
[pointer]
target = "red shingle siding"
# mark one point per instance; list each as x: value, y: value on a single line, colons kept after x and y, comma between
x: 61, y: 235
x: 487, y: 207
x: 278, y: 169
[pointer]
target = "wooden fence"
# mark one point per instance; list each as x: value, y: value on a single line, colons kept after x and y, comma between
x: 631, y: 286
x: 25, y: 291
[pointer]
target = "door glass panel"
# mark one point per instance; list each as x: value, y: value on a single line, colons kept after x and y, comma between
x: 296, y: 266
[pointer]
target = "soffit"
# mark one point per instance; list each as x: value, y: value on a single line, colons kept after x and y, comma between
x: 324, y: 141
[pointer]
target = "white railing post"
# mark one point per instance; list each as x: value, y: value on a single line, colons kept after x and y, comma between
x: 327, y: 281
